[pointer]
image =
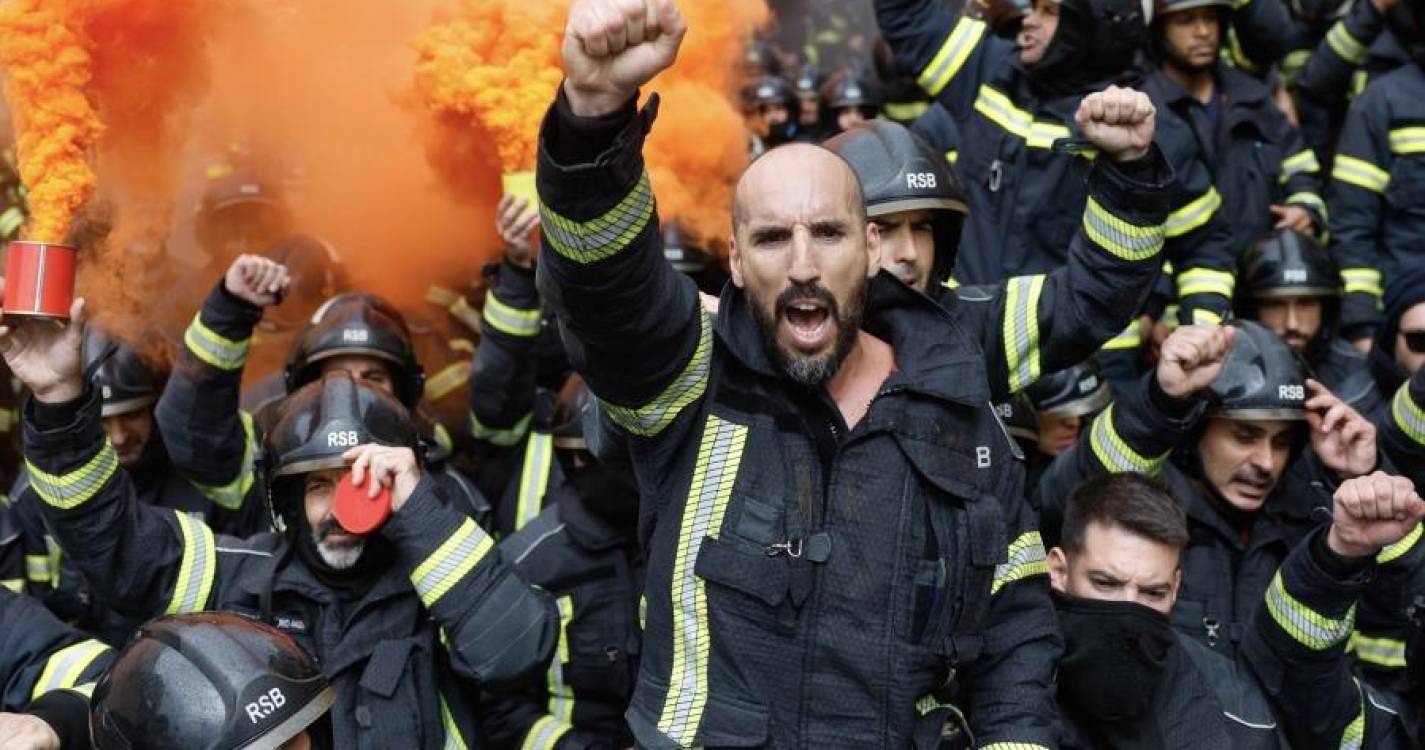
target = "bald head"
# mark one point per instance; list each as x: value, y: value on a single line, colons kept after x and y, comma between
x: 801, y: 173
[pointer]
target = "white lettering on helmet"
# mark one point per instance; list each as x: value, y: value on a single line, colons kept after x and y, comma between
x: 265, y: 706
x: 1294, y: 275
x: 355, y: 335
x: 920, y: 180
x: 1291, y: 392
x: 343, y: 439
x: 1088, y: 384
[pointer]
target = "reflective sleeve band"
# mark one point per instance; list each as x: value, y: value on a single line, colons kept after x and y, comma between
x: 1202, y: 316
x: 454, y: 740
x: 1362, y: 280
x: 1001, y: 110
x: 1306, y: 626
x: 561, y: 693
x: 1292, y: 65
x: 16, y: 585
x: 1205, y: 281
x: 952, y: 55
x: 37, y: 568
x: 1408, y: 415
x: 1360, y: 173
x: 604, y: 236
x: 1355, y: 733
x: 1310, y: 200
x: 69, y: 491
x: 545, y: 734
x: 1026, y: 559
x: 445, y: 382
x: 534, y: 477
x: 222, y: 353
x: 450, y: 562
x: 504, y: 438
x: 905, y: 111
x: 231, y: 495
x: 1303, y: 161
x: 10, y: 221
x: 65, y: 667
x: 1387, y: 653
x: 198, y: 569
x: 1409, y: 140
x: 653, y: 417
x: 510, y: 320
x: 1130, y: 338
x: 1113, y: 451
x: 1392, y: 552
x: 1195, y: 214
x: 463, y: 312
x: 1121, y: 238
x: 1021, y: 330
x: 1014, y: 746
x: 1345, y: 45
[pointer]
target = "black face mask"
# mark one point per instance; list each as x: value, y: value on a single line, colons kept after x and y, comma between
x: 1114, y: 656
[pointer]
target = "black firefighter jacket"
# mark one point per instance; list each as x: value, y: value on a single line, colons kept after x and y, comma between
x: 810, y: 585
x: 405, y: 658
x: 39, y: 653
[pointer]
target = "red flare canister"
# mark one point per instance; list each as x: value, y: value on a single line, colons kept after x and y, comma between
x: 39, y: 280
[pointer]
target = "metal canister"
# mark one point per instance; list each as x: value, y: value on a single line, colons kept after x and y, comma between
x: 39, y: 279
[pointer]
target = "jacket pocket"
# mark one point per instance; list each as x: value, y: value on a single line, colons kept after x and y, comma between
x: 394, y: 686
x: 600, y: 664
x: 725, y: 721
x: 752, y: 574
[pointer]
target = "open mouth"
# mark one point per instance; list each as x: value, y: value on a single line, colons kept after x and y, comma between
x: 1252, y: 490
x: 808, y: 322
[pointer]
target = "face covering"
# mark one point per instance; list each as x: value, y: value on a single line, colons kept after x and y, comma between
x: 1114, y: 656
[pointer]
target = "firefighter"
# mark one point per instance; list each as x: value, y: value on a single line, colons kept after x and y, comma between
x: 1399, y: 348
x: 240, y: 212
x: 1055, y: 409
x: 772, y: 118
x: 850, y: 97
x: 405, y: 621
x: 1127, y: 680
x: 1266, y: 175
x: 1231, y: 425
x: 211, y: 680
x: 1292, y: 286
x: 808, y: 88
x: 46, y: 672
x: 1298, y: 640
x: 811, y: 461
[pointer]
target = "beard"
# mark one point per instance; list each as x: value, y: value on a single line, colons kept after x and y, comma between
x: 337, y: 555
x: 810, y: 369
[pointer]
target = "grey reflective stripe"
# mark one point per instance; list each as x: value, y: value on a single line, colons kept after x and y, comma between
x: 651, y: 418
x: 602, y: 237
x: 1114, y: 453
x: 65, y: 666
x: 534, y: 477
x: 73, y: 489
x: 1409, y: 417
x: 1021, y: 334
x: 455, y: 557
x: 217, y: 350
x: 197, y: 569
x: 1306, y: 626
x: 1121, y: 237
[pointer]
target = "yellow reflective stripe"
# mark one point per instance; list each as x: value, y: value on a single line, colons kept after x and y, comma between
x: 1201, y: 316
x: 545, y: 734
x: 1021, y: 330
x: 651, y: 418
x: 719, y: 456
x: 450, y: 562
x: 1205, y: 281
x: 604, y: 236
x: 998, y: 108
x: 218, y: 351
x: 561, y: 694
x: 1360, y: 173
x: 503, y: 438
x: 1388, y: 653
x: 16, y: 585
x: 1292, y: 65
x: 904, y: 111
x: 1306, y: 626
x: 1119, y: 236
x: 1303, y: 161
x: 463, y: 312
x: 1309, y: 199
x: 37, y: 568
x: 446, y: 381
x: 1409, y: 140
x: 1130, y: 338
x: 1364, y: 280
x: 1196, y: 213
x: 1408, y: 415
x: 1014, y: 746
x: 510, y: 320
x: 1355, y: 732
x: 1348, y: 47
x: 1115, y: 453
x: 1392, y: 552
x: 66, y: 666
x: 454, y: 740
x: 1026, y: 559
x: 198, y: 569
x: 232, y: 494
x: 71, y: 490
x: 952, y: 156
x: 10, y: 221
x: 534, y: 477
x: 56, y: 556
x: 952, y: 55
x: 8, y: 419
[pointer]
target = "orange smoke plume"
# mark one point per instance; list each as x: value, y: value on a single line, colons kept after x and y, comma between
x: 48, y: 71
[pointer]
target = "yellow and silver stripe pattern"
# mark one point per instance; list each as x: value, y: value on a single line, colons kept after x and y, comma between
x: 561, y: 693
x: 952, y: 55
x: 604, y: 236
x: 71, y: 490
x: 534, y: 477
x: 1348, y: 47
x: 1392, y: 552
x: 1310, y: 200
x: 453, y: 738
x: 1026, y: 559
x: 545, y: 734
x: 996, y: 106
x: 1306, y: 626
x: 1014, y: 746
x: 1408, y: 415
x: 1130, y: 338
x: 1195, y: 214
x: 1380, y: 652
x: 445, y: 382
x: 1355, y: 733
x: 719, y: 457
x: 1409, y: 140
x: 65, y: 667
x: 1360, y: 173
x: 1021, y: 330
x: 503, y: 438
x: 198, y: 569
x: 231, y: 495
x: 1303, y: 161
x: 218, y: 351
x: 510, y: 320
x: 1122, y: 238
x: 1114, y: 453
x: 37, y: 568
x: 450, y: 562
x: 1205, y: 281
x: 1362, y: 280
x: 651, y: 418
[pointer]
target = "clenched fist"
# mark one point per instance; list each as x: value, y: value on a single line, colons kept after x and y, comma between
x: 611, y: 47
x: 1372, y: 512
x: 1118, y: 121
x: 257, y: 280
x: 1191, y: 358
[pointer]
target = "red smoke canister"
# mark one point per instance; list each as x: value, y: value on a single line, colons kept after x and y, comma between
x: 356, y: 510
x: 39, y: 280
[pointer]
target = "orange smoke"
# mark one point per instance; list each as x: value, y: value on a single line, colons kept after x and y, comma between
x: 48, y: 71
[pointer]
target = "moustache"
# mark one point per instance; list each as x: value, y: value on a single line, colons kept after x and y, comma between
x: 1254, y: 476
x: 328, y: 527
x: 804, y: 290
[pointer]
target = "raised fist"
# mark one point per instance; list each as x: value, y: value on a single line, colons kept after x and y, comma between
x: 1118, y: 121
x: 612, y: 47
x: 1191, y: 358
x: 1372, y: 512
x: 257, y: 280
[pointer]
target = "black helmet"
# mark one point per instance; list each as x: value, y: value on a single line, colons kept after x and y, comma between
x: 208, y: 681
x: 1290, y: 264
x: 1262, y: 378
x: 1018, y: 418
x: 317, y: 424
x: 771, y: 90
x: 808, y: 83
x: 125, y: 382
x: 316, y: 267
x: 851, y: 87
x: 900, y: 172
x: 362, y: 324
x: 1096, y: 41
x: 1073, y: 392
x: 572, y: 408
x: 241, y: 199
x: 687, y: 258
x: 1166, y: 7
